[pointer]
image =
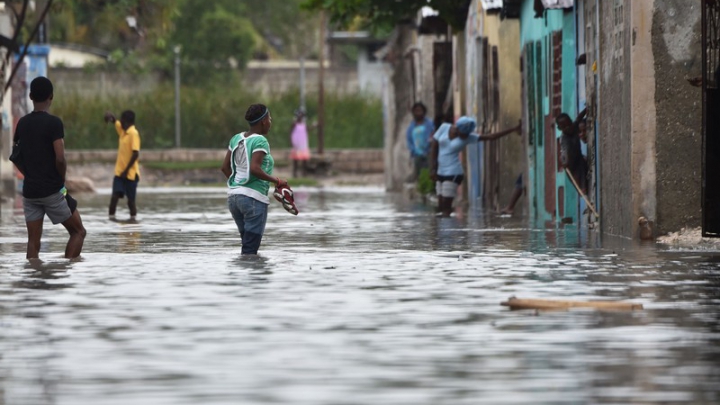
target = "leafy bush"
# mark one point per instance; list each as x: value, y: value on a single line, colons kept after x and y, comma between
x: 425, y: 185
x: 212, y: 114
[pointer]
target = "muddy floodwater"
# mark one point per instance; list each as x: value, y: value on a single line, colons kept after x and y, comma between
x: 362, y: 299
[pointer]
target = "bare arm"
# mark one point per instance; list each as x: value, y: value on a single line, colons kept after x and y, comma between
x: 60, y: 163
x: 497, y: 135
x: 581, y: 116
x: 257, y: 171
x: 133, y: 159
x: 226, y: 169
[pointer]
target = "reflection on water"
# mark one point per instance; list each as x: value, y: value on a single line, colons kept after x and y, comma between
x: 362, y: 299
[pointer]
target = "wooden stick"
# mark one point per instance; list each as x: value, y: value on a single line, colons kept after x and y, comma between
x: 518, y: 303
x: 587, y: 201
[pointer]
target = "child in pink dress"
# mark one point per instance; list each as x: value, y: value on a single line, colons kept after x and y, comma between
x: 299, y: 139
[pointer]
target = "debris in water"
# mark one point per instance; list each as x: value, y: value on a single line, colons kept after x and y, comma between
x: 689, y: 237
x: 519, y: 303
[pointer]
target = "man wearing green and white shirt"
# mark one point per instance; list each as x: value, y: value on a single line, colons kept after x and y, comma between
x: 248, y: 167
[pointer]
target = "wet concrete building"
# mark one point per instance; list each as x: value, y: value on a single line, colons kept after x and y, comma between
x: 638, y: 67
x: 627, y: 63
x: 645, y: 115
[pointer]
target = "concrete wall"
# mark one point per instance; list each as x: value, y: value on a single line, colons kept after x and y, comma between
x: 676, y: 45
x: 101, y: 83
x: 649, y: 119
x: 614, y: 119
x: 264, y: 79
x: 644, y: 123
x: 280, y: 80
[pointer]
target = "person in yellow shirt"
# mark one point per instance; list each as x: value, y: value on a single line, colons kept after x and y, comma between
x: 127, y: 171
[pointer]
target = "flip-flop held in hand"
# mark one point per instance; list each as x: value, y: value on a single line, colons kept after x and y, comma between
x: 285, y: 196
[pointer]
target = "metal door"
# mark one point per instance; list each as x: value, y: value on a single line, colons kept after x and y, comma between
x: 711, y: 119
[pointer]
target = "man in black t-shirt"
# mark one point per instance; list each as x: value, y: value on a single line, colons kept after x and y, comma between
x: 40, y: 136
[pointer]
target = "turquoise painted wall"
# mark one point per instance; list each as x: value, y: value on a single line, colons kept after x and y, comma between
x: 538, y: 31
x: 569, y: 106
x: 531, y: 35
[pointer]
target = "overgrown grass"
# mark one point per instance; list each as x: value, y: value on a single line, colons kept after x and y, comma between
x: 302, y: 181
x: 212, y: 115
x: 199, y: 165
x: 294, y: 182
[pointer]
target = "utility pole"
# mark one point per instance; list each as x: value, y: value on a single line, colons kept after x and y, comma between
x: 176, y: 50
x: 302, y: 83
x: 321, y: 87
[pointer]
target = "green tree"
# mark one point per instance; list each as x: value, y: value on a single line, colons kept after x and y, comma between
x: 129, y: 25
x: 289, y: 29
x: 214, y: 37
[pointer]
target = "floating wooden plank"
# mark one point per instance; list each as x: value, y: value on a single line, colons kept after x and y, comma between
x: 519, y: 303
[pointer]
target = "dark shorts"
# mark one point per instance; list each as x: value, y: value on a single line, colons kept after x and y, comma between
x: 519, y: 182
x: 58, y: 207
x: 447, y: 186
x: 455, y: 179
x: 124, y: 187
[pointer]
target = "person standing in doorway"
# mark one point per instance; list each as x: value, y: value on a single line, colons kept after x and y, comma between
x: 248, y: 167
x: 445, y: 166
x: 127, y: 167
x: 40, y: 137
x: 571, y: 155
x: 300, y: 153
x: 418, y: 137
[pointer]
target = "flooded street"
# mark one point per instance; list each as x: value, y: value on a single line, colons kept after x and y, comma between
x: 361, y: 299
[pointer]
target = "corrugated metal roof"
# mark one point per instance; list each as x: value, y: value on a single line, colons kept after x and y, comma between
x: 491, y: 4
x: 558, y: 3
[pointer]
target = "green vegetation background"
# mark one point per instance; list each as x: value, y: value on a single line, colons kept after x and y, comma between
x: 216, y: 40
x: 211, y: 115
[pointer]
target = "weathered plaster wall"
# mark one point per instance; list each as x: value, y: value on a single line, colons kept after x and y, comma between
x: 426, y: 92
x: 512, y: 148
x: 676, y: 45
x: 398, y: 98
x: 642, y: 88
x: 7, y: 174
x: 614, y: 118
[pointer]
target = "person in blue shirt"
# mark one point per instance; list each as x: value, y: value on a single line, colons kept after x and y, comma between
x: 418, y: 135
x: 445, y: 166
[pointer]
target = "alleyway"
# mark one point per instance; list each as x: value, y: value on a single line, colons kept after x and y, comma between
x: 362, y: 299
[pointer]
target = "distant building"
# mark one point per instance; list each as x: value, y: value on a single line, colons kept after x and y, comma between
x: 370, y: 68
x: 7, y: 178
x: 75, y: 56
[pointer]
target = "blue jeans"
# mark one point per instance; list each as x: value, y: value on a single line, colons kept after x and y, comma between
x: 250, y: 215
